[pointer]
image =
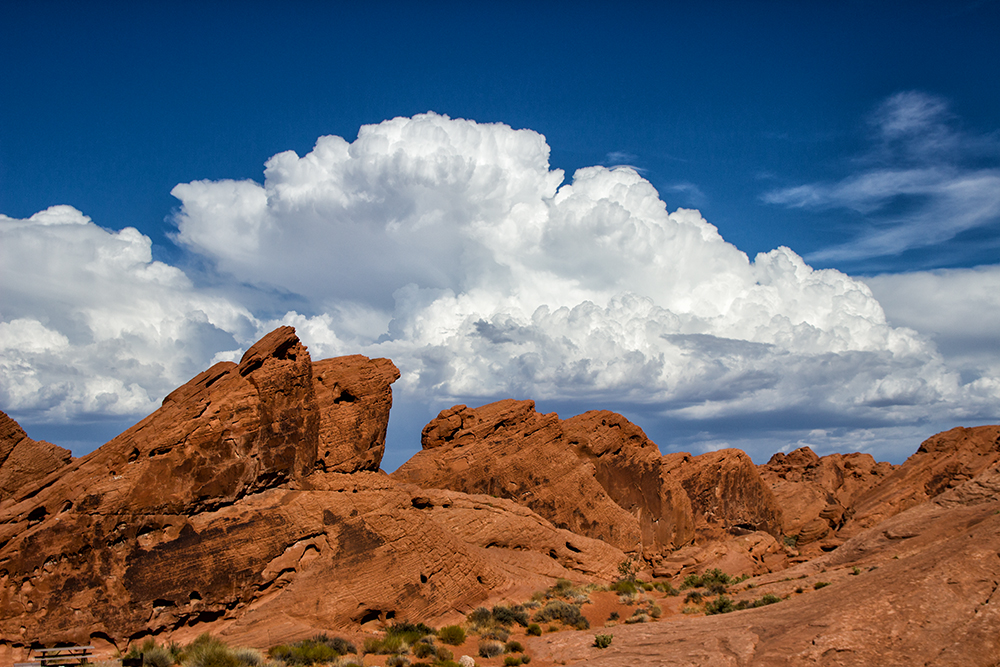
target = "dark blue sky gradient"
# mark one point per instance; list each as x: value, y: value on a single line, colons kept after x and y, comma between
x: 106, y: 106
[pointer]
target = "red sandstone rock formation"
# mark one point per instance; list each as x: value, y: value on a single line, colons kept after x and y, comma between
x: 917, y: 589
x: 942, y: 461
x: 24, y: 461
x: 596, y: 474
x: 818, y: 495
x: 230, y: 510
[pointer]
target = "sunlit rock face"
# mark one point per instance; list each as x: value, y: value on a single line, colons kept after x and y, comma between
x: 251, y: 495
x: 24, y: 461
x: 596, y: 474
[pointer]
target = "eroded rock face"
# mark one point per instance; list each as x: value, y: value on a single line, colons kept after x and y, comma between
x: 924, y: 593
x: 23, y: 461
x: 250, y: 506
x: 818, y: 495
x: 596, y: 474
x: 943, y: 461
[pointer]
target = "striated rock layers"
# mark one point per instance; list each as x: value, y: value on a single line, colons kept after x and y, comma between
x: 250, y: 504
x: 596, y: 474
x: 24, y: 461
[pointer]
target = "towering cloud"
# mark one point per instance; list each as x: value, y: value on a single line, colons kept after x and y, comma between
x: 452, y: 247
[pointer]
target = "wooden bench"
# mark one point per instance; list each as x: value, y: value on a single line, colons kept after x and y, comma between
x: 60, y: 656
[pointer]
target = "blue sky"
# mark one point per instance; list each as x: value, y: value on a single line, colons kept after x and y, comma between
x: 865, y: 137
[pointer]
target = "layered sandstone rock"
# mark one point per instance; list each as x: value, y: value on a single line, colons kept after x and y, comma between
x: 23, y: 461
x: 596, y: 474
x: 943, y: 461
x: 225, y: 511
x: 818, y: 495
x: 917, y: 589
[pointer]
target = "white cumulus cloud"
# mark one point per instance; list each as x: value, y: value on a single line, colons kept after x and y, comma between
x: 451, y: 247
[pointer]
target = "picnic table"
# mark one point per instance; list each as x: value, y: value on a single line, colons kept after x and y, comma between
x: 59, y: 656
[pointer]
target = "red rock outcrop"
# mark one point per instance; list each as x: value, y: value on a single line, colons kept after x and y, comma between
x: 216, y: 513
x: 818, y: 495
x: 596, y: 474
x: 24, y: 461
x: 918, y: 589
x: 941, y: 462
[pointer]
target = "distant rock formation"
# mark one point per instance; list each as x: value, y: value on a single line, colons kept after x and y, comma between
x: 24, y: 461
x: 596, y: 474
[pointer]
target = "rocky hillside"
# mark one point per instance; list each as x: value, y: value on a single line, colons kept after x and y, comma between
x: 251, y: 505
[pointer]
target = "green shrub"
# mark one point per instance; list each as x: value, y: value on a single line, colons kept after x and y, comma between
x: 693, y: 596
x: 624, y: 586
x: 510, y: 615
x: 423, y: 650
x: 665, y: 587
x: 408, y: 633
x: 720, y: 605
x: 443, y: 654
x: 386, y: 645
x: 249, y: 657
x: 613, y: 616
x: 691, y: 581
x: 855, y: 570
x: 821, y: 584
x: 655, y: 611
x: 490, y: 648
x: 159, y: 656
x: 569, y: 614
x: 397, y: 661
x: 499, y: 634
x: 562, y: 586
x: 512, y: 660
x: 319, y: 649
x: 628, y: 568
x: 452, y: 634
x: 479, y: 616
x: 207, y: 651
x: 603, y: 641
x: 770, y: 598
x: 534, y: 630
x: 639, y: 616
x: 514, y: 647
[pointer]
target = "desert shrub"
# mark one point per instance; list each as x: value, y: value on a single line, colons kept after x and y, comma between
x: 769, y: 598
x: 603, y: 641
x: 666, y: 588
x: 452, y: 634
x: 562, y: 586
x: 720, y: 605
x: 690, y: 610
x: 628, y: 568
x: 525, y: 659
x: 693, y: 596
x: 490, y: 648
x: 624, y: 586
x: 249, y: 657
x: 691, y: 581
x: 423, y: 650
x: 510, y: 615
x: 408, y: 633
x: 552, y: 628
x: 569, y: 614
x: 160, y: 656
x: 514, y: 647
x: 648, y: 587
x: 613, y: 616
x: 207, y: 651
x: 397, y: 661
x: 443, y: 655
x: 534, y: 630
x: 479, y: 616
x: 799, y: 589
x: 791, y: 540
x: 627, y: 599
x: 655, y: 611
x: 386, y: 645
x: 821, y: 584
x: 855, y: 570
x: 532, y: 604
x: 319, y: 649
x: 499, y: 634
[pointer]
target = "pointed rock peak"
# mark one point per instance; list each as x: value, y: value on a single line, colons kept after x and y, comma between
x: 281, y: 344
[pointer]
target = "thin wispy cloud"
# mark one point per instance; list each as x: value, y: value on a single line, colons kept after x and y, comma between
x: 923, y: 182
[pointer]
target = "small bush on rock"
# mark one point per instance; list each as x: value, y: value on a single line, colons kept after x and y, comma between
x: 603, y: 641
x: 452, y: 634
x: 534, y: 630
x: 720, y: 605
x: 490, y: 648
